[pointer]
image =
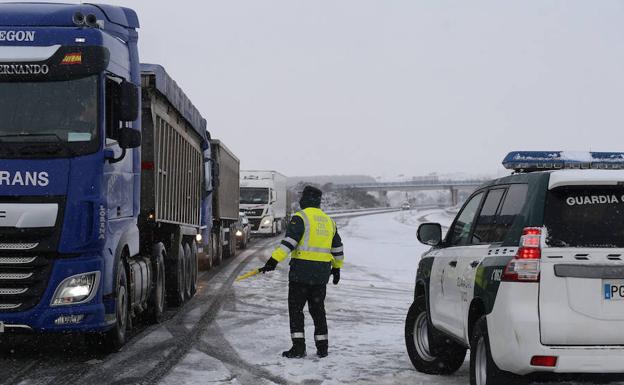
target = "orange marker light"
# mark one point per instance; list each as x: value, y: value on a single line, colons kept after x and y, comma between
x: 72, y: 58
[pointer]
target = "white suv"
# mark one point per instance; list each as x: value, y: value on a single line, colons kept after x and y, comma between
x: 530, y: 275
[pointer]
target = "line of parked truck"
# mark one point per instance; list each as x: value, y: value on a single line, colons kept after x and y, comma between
x: 112, y: 192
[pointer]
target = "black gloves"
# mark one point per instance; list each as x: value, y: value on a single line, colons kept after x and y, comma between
x: 269, y: 266
x: 336, y: 273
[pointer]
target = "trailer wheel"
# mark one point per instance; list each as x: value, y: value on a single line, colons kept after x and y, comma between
x: 194, y: 268
x: 188, y: 269
x: 114, y: 339
x: 217, y: 250
x: 176, y: 282
x: 157, y: 297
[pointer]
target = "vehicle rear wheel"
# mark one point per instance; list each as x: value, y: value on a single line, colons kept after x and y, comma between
x: 483, y: 369
x: 217, y: 249
x: 114, y: 339
x: 176, y: 279
x: 188, y: 271
x: 420, y: 346
x: 194, y: 268
x: 157, y: 297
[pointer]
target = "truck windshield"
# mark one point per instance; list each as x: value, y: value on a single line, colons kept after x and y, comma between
x: 48, y: 118
x: 254, y: 195
x: 585, y: 217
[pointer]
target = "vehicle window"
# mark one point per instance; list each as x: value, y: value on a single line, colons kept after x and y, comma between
x: 581, y: 216
x: 463, y: 224
x: 510, y: 209
x: 486, y: 222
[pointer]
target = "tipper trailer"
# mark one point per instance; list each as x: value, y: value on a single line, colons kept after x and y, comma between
x: 102, y: 202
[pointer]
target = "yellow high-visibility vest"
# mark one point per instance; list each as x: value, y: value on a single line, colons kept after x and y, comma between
x: 316, y: 243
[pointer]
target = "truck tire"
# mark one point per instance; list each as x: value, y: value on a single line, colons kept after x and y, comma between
x: 217, y: 255
x: 483, y: 369
x: 194, y: 268
x: 158, y: 294
x: 113, y: 340
x: 188, y: 270
x: 175, y: 283
x: 232, y: 243
x: 419, y: 344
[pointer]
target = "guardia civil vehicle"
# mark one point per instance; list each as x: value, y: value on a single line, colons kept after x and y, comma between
x: 530, y: 275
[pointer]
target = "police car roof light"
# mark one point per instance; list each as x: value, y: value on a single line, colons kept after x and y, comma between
x: 525, y: 161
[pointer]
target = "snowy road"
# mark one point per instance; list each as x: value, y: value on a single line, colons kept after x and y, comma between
x: 233, y: 333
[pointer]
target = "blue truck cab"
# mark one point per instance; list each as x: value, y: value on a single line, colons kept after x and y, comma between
x: 70, y: 168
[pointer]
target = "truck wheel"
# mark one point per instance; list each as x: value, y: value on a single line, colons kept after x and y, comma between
x: 176, y: 282
x: 188, y: 270
x: 483, y: 369
x: 419, y: 346
x: 232, y: 243
x: 157, y: 297
x: 194, y: 268
x: 114, y: 339
x: 217, y: 257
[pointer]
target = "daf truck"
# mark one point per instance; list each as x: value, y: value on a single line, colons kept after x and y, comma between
x: 107, y: 175
x: 263, y: 200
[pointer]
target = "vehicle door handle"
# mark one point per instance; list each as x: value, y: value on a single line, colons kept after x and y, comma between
x: 474, y: 264
x: 453, y: 263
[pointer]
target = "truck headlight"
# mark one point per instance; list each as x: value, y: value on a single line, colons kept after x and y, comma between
x: 239, y: 233
x: 267, y: 221
x: 76, y: 289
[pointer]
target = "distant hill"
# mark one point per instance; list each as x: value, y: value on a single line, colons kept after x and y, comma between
x: 321, y: 180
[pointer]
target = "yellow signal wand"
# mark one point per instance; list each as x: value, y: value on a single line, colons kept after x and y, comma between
x: 247, y: 275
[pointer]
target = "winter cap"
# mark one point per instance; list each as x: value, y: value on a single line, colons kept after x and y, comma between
x: 311, y: 192
x: 310, y: 197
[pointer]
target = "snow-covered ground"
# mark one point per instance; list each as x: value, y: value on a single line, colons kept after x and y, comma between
x: 366, y: 313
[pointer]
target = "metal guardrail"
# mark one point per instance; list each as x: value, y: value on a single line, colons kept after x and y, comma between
x: 414, y: 184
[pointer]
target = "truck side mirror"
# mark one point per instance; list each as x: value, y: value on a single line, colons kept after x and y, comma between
x: 129, y: 138
x: 430, y: 234
x: 128, y: 102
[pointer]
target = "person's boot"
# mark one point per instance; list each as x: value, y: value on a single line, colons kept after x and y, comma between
x: 298, y: 349
x: 321, y: 348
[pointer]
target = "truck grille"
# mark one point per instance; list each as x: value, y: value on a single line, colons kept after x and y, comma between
x: 255, y: 223
x: 23, y: 280
x: 254, y: 212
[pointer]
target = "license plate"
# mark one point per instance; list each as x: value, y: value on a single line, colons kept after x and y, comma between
x: 613, y: 290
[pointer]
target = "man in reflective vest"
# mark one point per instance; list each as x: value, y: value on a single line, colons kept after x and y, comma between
x: 316, y: 252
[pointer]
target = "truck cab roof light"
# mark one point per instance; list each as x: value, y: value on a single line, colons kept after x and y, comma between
x: 559, y: 160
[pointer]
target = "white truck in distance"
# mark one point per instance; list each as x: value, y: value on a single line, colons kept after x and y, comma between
x: 263, y: 199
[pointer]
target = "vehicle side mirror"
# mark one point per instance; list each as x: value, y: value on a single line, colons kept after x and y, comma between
x: 128, y: 102
x: 129, y: 138
x: 430, y: 234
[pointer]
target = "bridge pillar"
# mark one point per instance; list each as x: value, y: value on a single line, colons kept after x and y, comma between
x: 454, y: 196
x: 383, y: 197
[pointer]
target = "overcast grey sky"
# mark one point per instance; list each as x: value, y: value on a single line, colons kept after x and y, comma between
x: 391, y: 87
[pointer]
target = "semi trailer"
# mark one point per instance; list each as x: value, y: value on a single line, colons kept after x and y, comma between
x: 263, y: 200
x: 218, y: 239
x: 106, y: 176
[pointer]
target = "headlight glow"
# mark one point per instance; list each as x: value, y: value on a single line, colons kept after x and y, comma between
x: 76, y: 289
x: 198, y: 237
x: 239, y: 233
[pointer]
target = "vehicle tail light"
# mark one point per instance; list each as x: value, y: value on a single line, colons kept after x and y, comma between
x: 525, y: 266
x: 546, y: 361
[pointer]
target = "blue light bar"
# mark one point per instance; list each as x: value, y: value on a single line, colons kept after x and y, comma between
x: 558, y: 160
